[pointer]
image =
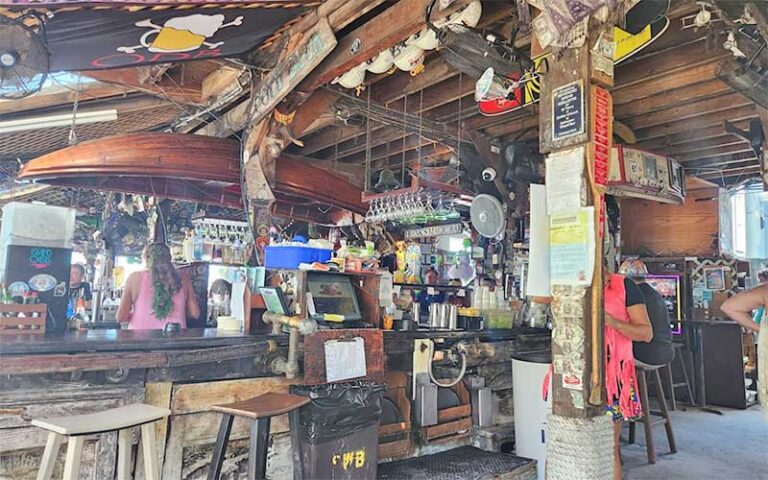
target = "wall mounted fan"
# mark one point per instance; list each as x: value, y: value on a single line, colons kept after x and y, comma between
x: 487, y: 215
x: 24, y: 57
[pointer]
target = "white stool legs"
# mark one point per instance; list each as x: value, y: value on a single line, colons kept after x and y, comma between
x: 74, y: 450
x: 49, y: 456
x: 151, y: 467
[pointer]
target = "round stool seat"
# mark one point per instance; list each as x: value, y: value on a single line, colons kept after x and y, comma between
x: 267, y: 405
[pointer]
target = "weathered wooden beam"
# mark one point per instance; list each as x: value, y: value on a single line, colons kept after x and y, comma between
x: 220, y: 81
x: 744, y: 172
x: 686, y: 150
x: 714, y: 152
x: 339, y: 14
x: 671, y: 98
x: 134, y: 77
x: 61, y: 96
x: 721, y: 160
x: 687, y: 125
x: 691, y: 138
x: 690, y: 110
x: 391, y: 26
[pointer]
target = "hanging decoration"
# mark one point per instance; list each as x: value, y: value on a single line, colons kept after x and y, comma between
x: 85, y: 39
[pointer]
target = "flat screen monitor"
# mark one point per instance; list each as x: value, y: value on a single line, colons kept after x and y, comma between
x: 333, y: 294
x: 668, y: 287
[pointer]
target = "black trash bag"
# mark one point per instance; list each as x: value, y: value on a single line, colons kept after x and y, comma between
x: 338, y: 410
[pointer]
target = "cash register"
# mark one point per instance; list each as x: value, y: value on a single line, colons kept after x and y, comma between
x: 332, y: 300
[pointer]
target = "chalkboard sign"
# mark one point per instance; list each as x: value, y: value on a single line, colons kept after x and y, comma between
x: 568, y: 111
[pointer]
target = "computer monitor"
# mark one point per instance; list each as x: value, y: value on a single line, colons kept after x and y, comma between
x: 333, y: 294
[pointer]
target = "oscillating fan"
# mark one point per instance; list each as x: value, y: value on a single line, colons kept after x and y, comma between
x: 487, y: 215
x: 472, y: 51
x: 24, y: 58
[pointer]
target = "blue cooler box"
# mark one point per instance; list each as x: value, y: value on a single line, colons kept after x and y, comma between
x: 290, y: 256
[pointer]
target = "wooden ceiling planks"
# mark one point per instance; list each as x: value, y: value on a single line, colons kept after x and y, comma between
x: 668, y: 94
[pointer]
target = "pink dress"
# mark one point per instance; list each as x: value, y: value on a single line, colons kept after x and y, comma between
x: 143, y: 318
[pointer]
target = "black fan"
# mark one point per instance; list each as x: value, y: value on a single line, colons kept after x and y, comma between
x: 472, y: 51
x: 523, y: 165
x: 24, y: 58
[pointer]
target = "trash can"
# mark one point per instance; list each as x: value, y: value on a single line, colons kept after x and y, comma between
x: 339, y: 429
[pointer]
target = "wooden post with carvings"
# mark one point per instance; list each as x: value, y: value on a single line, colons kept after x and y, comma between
x: 576, y: 116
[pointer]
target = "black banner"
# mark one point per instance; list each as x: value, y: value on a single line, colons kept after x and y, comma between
x: 100, y: 39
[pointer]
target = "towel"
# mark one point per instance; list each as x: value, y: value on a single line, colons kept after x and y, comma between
x: 620, y: 378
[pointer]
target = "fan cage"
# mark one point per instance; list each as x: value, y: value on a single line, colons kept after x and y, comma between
x: 32, y: 61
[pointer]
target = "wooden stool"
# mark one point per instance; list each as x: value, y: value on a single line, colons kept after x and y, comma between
x: 261, y: 409
x: 672, y: 386
x: 76, y: 427
x: 642, y: 384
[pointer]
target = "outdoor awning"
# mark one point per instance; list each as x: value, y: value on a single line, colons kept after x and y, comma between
x: 186, y: 167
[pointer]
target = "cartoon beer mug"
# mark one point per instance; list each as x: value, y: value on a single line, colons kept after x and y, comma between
x: 181, y: 34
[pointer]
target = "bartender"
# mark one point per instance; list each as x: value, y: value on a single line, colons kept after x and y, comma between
x: 158, y: 296
x: 78, y: 289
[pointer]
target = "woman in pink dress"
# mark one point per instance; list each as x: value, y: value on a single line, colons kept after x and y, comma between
x: 157, y: 296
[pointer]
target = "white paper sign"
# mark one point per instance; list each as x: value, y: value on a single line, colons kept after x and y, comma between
x: 564, y: 180
x: 572, y: 247
x: 344, y: 359
x: 537, y: 284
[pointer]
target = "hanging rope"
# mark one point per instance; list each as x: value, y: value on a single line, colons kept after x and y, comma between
x: 72, y: 140
x: 368, y: 143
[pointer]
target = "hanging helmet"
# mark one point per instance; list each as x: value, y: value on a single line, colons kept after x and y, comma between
x: 633, y: 269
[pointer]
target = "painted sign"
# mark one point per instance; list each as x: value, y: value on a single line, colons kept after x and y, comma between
x: 314, y: 47
x: 568, y: 111
x: 85, y: 39
x: 434, y: 231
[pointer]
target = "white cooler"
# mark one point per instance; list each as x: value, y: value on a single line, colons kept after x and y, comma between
x: 531, y: 411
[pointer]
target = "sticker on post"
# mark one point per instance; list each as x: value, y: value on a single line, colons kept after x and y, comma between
x: 572, y: 382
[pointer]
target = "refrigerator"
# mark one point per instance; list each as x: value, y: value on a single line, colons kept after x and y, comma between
x: 45, y: 271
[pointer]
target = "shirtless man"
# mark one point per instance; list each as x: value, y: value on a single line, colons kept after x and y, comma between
x: 740, y: 306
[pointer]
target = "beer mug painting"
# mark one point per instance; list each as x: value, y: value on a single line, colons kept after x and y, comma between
x: 181, y: 34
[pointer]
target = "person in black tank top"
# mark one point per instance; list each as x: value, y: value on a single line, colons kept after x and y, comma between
x: 659, y: 351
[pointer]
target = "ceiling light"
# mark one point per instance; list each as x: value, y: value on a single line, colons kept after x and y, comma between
x: 62, y: 120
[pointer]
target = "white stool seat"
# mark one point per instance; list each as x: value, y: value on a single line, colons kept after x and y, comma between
x: 121, y: 419
x: 106, y: 421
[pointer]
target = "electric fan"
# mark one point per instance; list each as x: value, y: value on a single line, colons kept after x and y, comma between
x: 487, y: 215
x: 472, y: 51
x: 24, y: 58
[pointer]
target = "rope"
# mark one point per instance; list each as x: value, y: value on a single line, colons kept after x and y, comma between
x: 579, y: 449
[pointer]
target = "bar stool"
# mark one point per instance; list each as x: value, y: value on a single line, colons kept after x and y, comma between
x: 679, y: 347
x: 260, y: 409
x: 77, y: 427
x: 642, y: 384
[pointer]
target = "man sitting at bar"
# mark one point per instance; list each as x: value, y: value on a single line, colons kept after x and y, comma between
x: 158, y: 296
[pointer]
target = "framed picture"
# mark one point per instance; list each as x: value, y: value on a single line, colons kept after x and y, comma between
x: 714, y: 278
x: 274, y: 300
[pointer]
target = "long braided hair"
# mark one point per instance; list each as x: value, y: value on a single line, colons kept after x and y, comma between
x: 165, y: 279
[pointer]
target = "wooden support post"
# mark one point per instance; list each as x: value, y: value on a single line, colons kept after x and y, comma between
x: 575, y: 120
x: 763, y: 113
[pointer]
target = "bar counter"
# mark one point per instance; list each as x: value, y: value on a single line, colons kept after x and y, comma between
x: 125, y: 340
x: 186, y: 372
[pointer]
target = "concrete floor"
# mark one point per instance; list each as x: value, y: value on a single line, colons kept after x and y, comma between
x: 731, y: 446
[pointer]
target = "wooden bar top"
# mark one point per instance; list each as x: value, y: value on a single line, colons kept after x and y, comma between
x: 126, y: 340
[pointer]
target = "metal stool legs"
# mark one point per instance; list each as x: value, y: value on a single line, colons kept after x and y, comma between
x: 214, y: 471
x: 258, y: 448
